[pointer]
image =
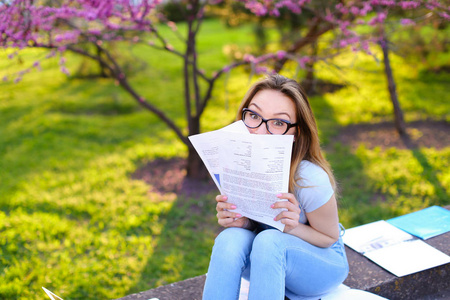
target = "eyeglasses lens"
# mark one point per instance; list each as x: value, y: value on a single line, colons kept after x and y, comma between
x: 275, y: 126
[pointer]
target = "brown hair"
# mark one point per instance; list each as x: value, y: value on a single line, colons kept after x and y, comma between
x: 306, y: 145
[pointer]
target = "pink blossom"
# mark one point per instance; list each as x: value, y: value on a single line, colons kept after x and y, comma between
x: 65, y: 71
x: 226, y: 68
x: 408, y: 4
x: 256, y: 8
x: 379, y: 18
x: 261, y: 70
x: 366, y: 9
x: 445, y: 15
x: 37, y: 65
x: 405, y: 22
x: 303, y: 61
x: 281, y: 54
x: 249, y: 58
x: 329, y: 18
x: 51, y: 54
x: 172, y: 25
x: 354, y: 10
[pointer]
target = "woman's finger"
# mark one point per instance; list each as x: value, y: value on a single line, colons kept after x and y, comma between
x: 227, y: 214
x: 287, y: 215
x: 287, y: 205
x: 225, y: 206
x: 288, y: 196
x: 221, y: 198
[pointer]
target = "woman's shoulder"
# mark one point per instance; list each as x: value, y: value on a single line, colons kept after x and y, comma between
x: 306, y: 167
x: 314, y: 187
x: 311, y: 173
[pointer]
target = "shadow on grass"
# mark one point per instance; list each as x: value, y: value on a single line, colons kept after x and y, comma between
x: 347, y: 167
x: 184, y: 244
x: 428, y: 171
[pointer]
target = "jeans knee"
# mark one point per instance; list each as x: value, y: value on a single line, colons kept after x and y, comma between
x: 233, y: 242
x: 266, y: 244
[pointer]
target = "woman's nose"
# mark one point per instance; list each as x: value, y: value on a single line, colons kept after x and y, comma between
x: 262, y: 129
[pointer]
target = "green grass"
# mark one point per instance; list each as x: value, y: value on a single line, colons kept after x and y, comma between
x: 73, y: 219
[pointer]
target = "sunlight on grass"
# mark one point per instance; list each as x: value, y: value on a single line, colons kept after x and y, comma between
x: 74, y: 220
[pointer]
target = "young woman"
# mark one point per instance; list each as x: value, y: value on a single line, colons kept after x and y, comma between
x: 308, y: 259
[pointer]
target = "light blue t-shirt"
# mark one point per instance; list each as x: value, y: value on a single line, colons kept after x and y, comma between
x: 315, y: 188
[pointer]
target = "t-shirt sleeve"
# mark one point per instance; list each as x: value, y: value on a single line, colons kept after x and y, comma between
x: 315, y: 188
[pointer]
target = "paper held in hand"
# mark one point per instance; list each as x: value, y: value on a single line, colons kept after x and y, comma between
x: 250, y: 169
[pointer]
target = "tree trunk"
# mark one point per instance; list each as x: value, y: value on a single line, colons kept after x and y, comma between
x: 398, y: 113
x: 194, y: 167
x: 309, y: 84
x: 101, y: 65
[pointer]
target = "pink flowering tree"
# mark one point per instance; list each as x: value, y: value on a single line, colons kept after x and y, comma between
x: 343, y: 18
x: 85, y: 27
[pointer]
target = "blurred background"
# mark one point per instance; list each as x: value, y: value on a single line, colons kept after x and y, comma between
x: 100, y: 194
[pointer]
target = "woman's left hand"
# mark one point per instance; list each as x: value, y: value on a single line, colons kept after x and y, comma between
x: 291, y: 216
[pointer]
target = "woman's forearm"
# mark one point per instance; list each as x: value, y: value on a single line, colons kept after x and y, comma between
x: 312, y: 236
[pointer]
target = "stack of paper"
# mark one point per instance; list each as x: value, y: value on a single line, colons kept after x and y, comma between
x: 250, y: 169
x: 393, y: 249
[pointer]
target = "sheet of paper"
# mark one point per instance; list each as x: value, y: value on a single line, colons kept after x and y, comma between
x: 250, y: 169
x: 51, y: 294
x: 408, y: 257
x: 425, y: 223
x: 207, y: 146
x: 255, y: 168
x: 375, y: 235
x: 343, y: 292
x: 393, y: 249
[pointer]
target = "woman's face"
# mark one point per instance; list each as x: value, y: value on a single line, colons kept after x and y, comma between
x: 271, y: 104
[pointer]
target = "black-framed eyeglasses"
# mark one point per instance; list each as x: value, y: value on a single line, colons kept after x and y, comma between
x: 252, y: 119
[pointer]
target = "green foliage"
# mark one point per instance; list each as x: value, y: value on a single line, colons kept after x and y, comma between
x: 75, y: 221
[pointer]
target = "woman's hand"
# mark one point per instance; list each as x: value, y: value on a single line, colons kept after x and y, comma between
x: 291, y: 216
x: 227, y: 218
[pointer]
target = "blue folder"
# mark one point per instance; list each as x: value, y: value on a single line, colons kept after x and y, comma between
x: 425, y: 223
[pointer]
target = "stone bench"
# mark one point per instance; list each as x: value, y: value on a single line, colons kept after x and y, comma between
x: 364, y: 275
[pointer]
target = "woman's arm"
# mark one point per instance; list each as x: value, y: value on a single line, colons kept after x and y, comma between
x: 323, y: 228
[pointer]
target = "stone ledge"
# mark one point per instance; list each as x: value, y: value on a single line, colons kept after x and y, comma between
x: 189, y: 289
x: 364, y: 275
x: 368, y: 276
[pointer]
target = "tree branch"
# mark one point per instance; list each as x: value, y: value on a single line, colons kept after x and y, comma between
x: 120, y: 76
x: 313, y: 34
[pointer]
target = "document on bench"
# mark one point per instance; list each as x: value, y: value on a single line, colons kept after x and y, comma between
x: 250, y: 169
x: 426, y: 223
x: 393, y: 249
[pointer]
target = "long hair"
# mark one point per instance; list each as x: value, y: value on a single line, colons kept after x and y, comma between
x: 306, y: 145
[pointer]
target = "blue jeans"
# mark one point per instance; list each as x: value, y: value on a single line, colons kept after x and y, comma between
x: 276, y: 263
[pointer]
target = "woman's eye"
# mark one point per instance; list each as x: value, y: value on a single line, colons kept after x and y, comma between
x: 278, y: 123
x: 254, y: 116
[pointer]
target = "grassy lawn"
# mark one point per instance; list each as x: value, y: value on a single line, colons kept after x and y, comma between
x: 74, y: 220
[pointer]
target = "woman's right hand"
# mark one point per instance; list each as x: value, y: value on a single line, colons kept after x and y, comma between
x: 227, y: 218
